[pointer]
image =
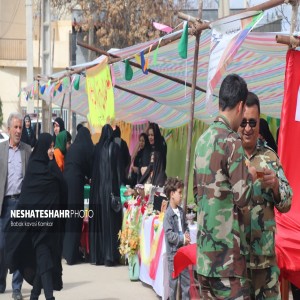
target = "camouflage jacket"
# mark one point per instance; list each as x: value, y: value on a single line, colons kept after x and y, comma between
x: 224, y: 186
x: 260, y: 223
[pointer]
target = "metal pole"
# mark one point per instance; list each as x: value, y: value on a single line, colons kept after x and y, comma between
x: 70, y: 107
x: 29, y: 52
x: 37, y: 115
x: 191, y: 122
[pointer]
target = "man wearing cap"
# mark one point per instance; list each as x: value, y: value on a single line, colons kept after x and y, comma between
x: 14, y: 156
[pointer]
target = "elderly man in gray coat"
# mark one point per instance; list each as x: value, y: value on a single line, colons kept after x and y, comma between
x: 14, y: 157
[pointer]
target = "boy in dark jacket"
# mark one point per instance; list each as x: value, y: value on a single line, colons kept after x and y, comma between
x: 176, y: 235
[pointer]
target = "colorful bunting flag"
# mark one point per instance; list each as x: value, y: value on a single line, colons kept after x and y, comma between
x: 137, y: 58
x: 76, y: 83
x: 162, y: 27
x: 227, y: 36
x: 155, y: 53
x: 183, y: 43
x: 144, y: 65
x: 42, y: 89
x: 128, y: 70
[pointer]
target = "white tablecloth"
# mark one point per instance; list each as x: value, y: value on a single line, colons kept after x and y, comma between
x: 160, y: 283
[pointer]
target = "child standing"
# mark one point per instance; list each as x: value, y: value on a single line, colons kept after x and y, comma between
x: 176, y: 235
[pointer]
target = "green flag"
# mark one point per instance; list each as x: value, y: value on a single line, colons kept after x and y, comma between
x: 76, y: 83
x: 183, y: 43
x: 128, y: 70
x: 155, y: 53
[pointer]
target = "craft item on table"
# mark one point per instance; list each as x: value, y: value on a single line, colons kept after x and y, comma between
x: 147, y: 188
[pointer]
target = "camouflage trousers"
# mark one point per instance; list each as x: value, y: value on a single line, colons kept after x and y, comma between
x: 264, y: 283
x: 224, y: 288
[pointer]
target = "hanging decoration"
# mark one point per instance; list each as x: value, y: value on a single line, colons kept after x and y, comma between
x: 100, y: 96
x: 42, y: 89
x: 137, y: 58
x: 227, y: 36
x: 155, y: 53
x: 128, y: 70
x: 163, y: 27
x: 144, y: 63
x: 76, y: 82
x: 183, y: 43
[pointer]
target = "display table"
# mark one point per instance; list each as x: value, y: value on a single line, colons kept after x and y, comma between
x: 154, y: 265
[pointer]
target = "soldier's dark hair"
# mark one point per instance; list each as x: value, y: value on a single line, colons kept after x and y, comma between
x: 172, y: 185
x: 252, y: 100
x: 233, y: 90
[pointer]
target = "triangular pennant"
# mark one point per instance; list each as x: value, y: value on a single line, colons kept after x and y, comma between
x: 76, y: 83
x: 143, y: 63
x: 155, y: 53
x: 42, y: 89
x: 183, y: 43
x: 59, y: 87
x: 19, y: 93
x: 128, y: 70
x: 137, y: 58
x: 65, y: 82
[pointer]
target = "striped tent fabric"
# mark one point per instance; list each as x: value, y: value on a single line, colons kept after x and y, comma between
x: 260, y: 61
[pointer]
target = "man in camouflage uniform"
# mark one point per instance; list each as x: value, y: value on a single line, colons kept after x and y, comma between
x: 224, y: 187
x: 275, y: 193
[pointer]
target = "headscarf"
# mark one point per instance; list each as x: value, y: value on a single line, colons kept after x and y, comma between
x: 61, y: 141
x: 265, y: 132
x: 40, y: 151
x: 28, y: 136
x: 59, y: 121
x: 159, y: 145
x: 117, y: 132
x: 83, y: 140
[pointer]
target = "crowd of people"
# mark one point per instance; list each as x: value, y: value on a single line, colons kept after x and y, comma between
x: 239, y: 183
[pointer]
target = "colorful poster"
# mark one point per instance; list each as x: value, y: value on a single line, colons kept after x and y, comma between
x: 227, y: 36
x: 100, y: 96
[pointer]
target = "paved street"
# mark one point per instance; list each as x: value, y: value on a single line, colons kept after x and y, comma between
x: 88, y: 282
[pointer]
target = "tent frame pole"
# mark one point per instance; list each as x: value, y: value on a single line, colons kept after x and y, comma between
x: 192, y: 110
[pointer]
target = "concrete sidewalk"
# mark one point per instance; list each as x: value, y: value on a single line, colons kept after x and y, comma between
x: 88, y: 282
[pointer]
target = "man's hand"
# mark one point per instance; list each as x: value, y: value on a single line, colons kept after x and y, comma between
x: 270, y: 180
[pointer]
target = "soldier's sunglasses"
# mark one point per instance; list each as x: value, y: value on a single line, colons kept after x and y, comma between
x: 252, y: 123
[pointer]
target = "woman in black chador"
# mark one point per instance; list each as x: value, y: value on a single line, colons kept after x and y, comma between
x: 28, y: 135
x: 157, y: 143
x: 78, y: 167
x: 106, y: 223
x: 35, y: 250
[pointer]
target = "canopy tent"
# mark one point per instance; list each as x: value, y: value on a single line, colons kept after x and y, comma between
x: 260, y: 61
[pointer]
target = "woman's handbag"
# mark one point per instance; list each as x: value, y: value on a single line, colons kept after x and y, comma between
x: 115, y: 203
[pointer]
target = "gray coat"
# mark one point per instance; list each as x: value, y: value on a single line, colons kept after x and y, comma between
x: 25, y: 153
x: 174, y: 239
